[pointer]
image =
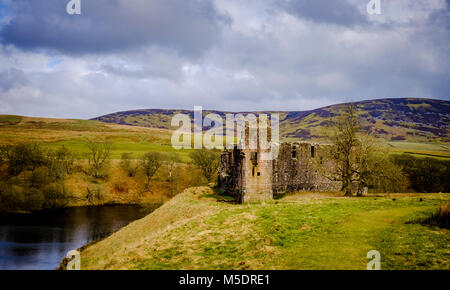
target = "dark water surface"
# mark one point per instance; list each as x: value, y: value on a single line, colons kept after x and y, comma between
x: 41, y: 240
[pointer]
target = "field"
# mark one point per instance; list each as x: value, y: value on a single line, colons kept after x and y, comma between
x: 301, y: 231
x: 435, y: 150
x: 53, y: 133
x: 115, y: 186
x: 73, y: 134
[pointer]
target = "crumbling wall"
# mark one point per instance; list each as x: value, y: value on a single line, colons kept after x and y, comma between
x: 230, y: 178
x: 296, y: 168
x: 244, y: 175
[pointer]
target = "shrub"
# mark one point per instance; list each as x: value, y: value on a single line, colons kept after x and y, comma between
x: 128, y: 164
x: 34, y: 199
x: 23, y: 157
x: 95, y: 194
x: 40, y: 177
x: 121, y: 186
x: 98, y: 157
x: 150, y: 164
x: 9, y: 197
x: 41, y: 182
x: 56, y: 195
x: 61, y: 162
x: 425, y: 174
x: 207, y: 161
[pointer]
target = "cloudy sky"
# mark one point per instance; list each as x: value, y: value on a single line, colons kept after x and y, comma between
x: 221, y: 54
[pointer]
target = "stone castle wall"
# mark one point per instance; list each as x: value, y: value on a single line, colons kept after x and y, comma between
x: 244, y: 175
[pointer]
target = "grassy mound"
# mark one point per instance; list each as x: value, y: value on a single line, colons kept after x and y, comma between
x: 304, y: 231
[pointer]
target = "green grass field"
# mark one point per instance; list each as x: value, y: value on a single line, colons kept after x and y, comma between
x: 123, y: 146
x: 73, y: 134
x: 435, y: 150
x: 304, y: 231
x: 53, y: 133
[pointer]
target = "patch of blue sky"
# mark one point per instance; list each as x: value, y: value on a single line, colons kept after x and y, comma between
x: 3, y: 10
x: 54, y: 62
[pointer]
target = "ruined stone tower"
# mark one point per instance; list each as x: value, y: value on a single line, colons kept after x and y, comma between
x: 244, y: 173
x: 246, y: 176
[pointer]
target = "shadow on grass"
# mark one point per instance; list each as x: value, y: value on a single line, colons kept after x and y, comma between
x: 278, y: 196
x: 441, y: 218
x: 220, y: 196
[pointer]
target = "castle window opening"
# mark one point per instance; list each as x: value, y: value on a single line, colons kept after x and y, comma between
x: 254, y: 158
x: 294, y: 152
x: 313, y: 151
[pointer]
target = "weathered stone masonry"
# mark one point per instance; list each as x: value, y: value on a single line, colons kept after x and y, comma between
x: 244, y: 175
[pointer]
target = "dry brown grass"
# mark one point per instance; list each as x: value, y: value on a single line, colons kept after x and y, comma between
x: 31, y: 129
x: 118, y: 188
x: 149, y: 231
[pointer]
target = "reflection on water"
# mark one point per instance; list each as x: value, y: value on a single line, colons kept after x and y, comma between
x: 41, y: 240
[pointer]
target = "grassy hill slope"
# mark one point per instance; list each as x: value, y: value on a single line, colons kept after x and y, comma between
x: 418, y: 120
x: 115, y: 186
x: 416, y: 126
x: 53, y: 133
x: 305, y: 231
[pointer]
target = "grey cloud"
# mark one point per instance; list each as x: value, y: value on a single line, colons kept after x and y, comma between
x: 185, y: 27
x: 141, y: 73
x: 12, y: 78
x: 265, y: 60
x: 338, y: 12
x: 441, y: 19
x: 146, y: 65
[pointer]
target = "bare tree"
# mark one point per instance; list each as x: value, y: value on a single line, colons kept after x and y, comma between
x: 61, y: 162
x: 342, y: 152
x: 99, y: 152
x: 173, y: 172
x: 128, y: 164
x: 150, y: 163
x: 171, y: 160
x: 358, y: 157
x: 369, y: 161
x: 207, y: 161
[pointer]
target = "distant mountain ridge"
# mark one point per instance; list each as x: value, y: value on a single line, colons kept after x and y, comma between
x: 408, y: 119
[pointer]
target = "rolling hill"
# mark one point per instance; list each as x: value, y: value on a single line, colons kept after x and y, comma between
x: 72, y: 133
x: 417, y: 120
x: 415, y: 126
x: 193, y: 231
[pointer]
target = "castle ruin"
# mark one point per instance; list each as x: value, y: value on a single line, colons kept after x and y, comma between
x: 249, y: 178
